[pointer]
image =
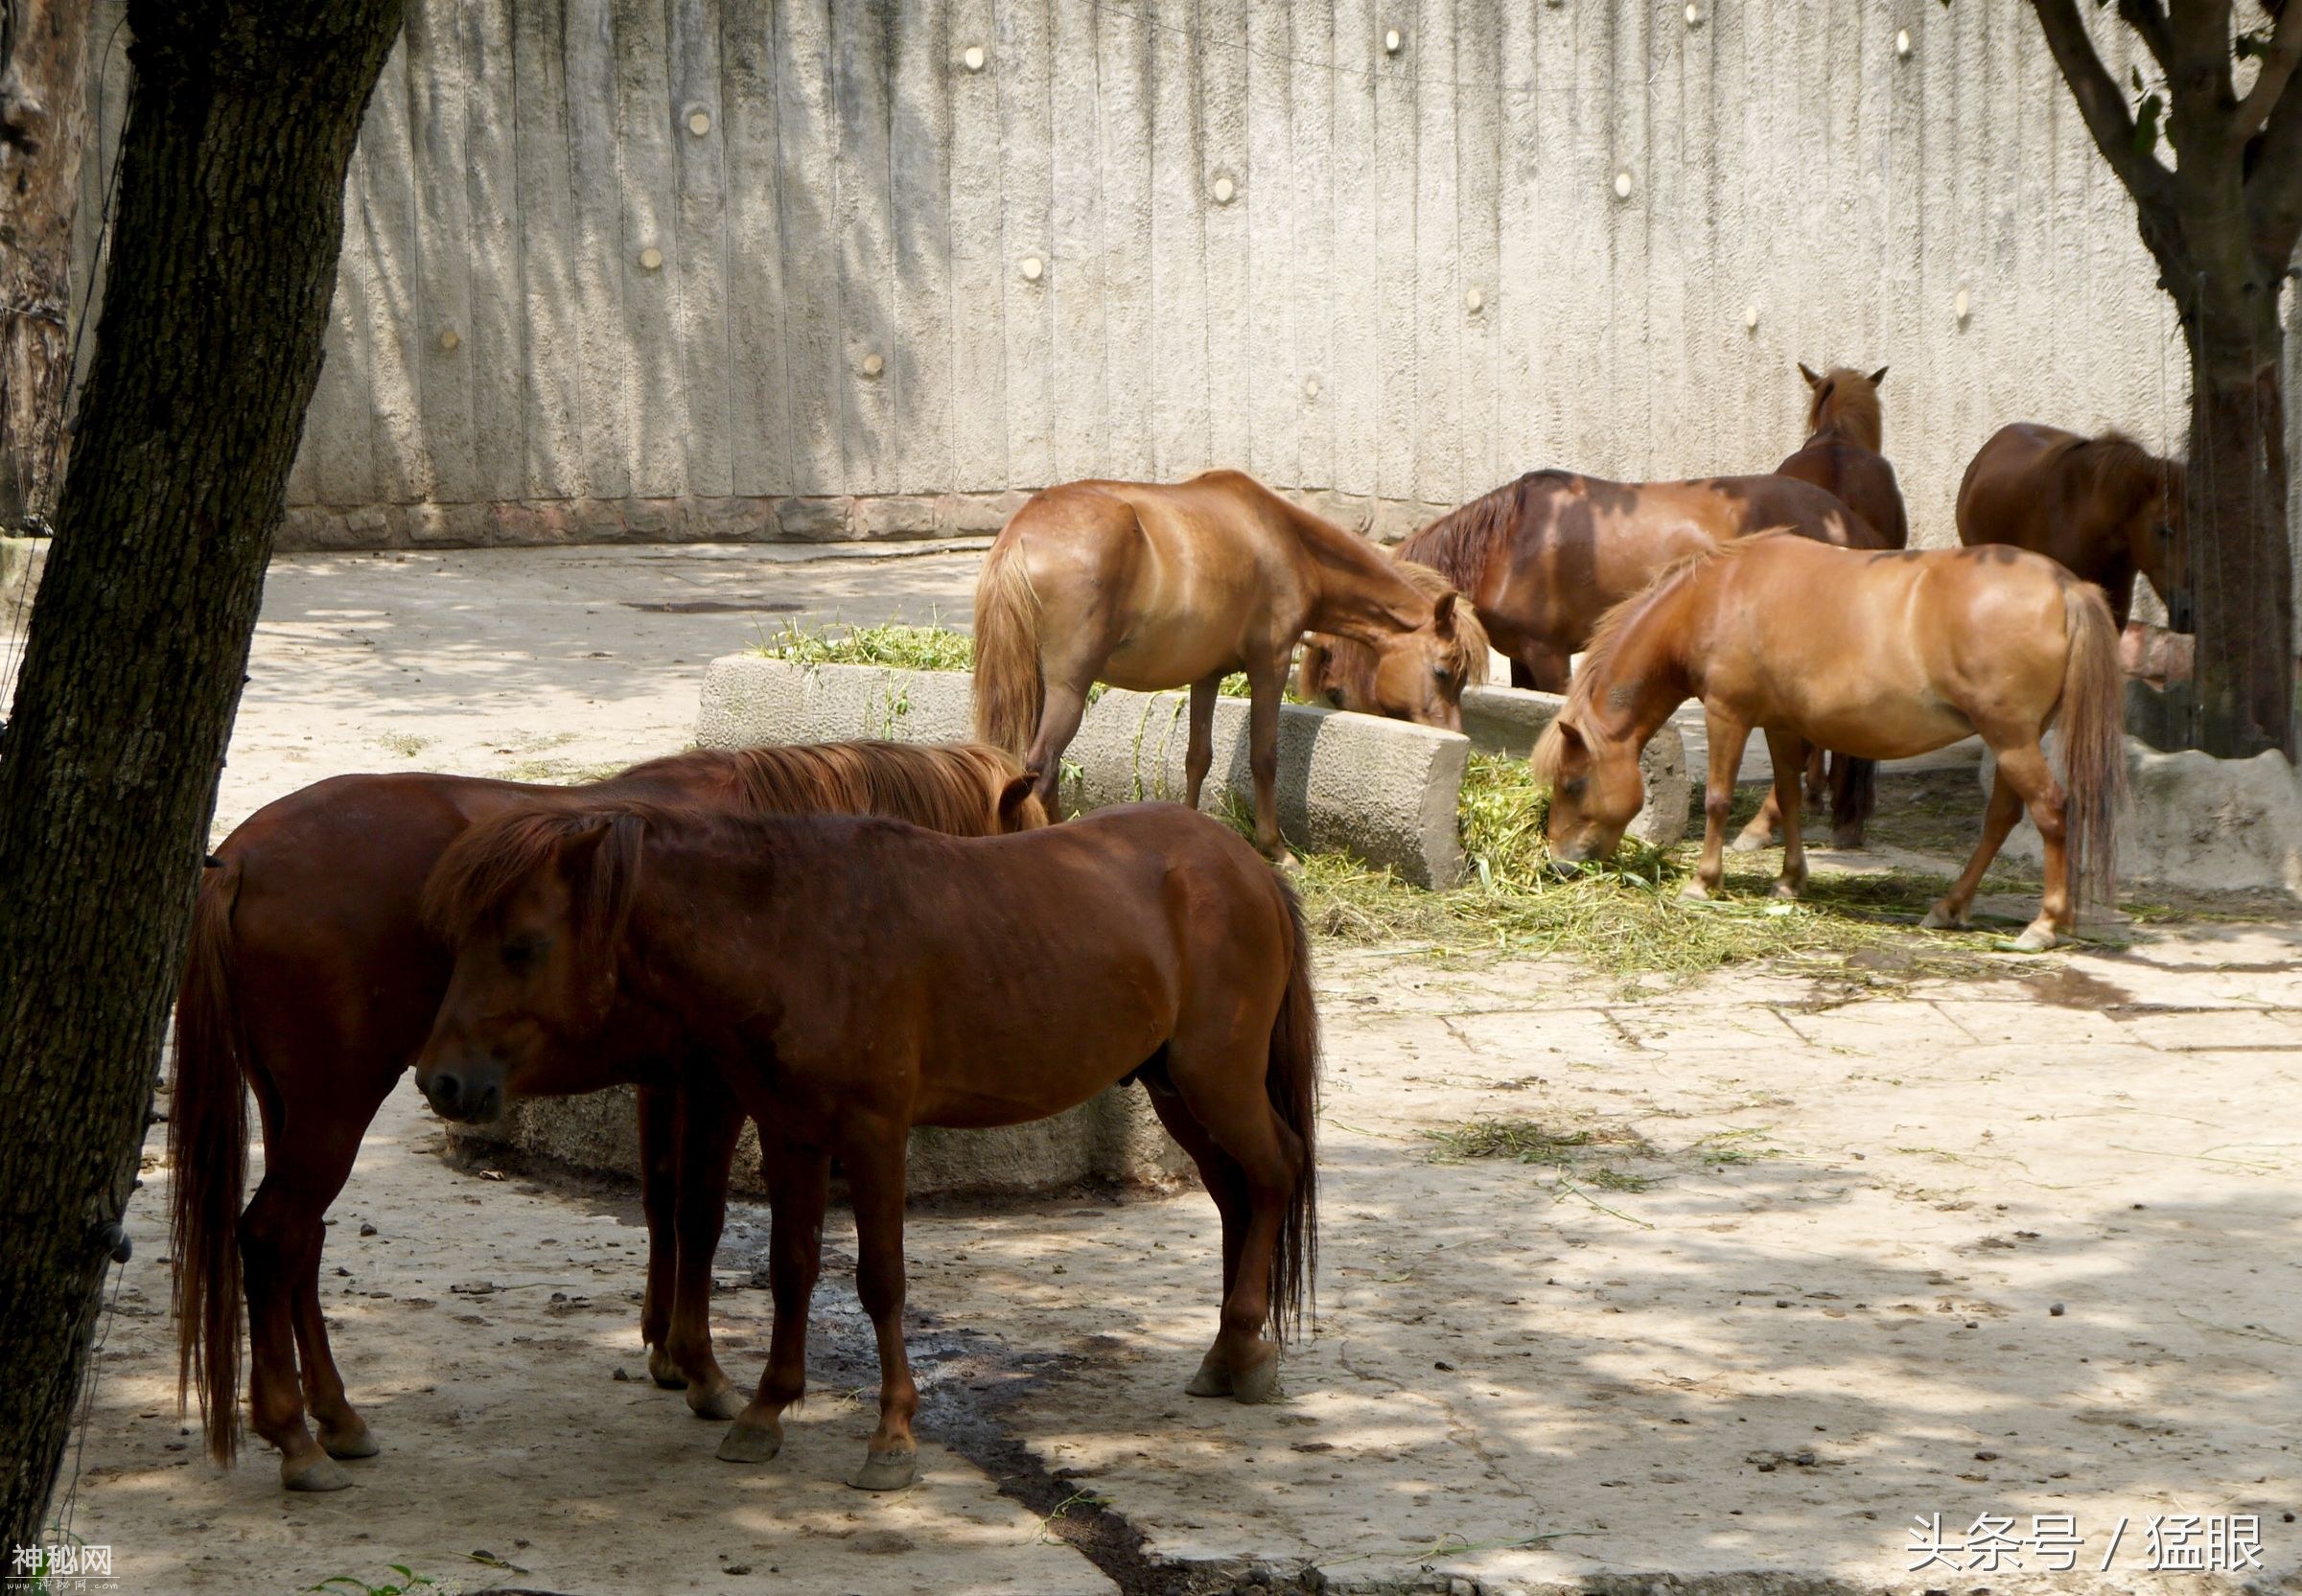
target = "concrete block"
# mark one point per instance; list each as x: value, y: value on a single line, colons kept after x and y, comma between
x: 2194, y: 820
x: 1114, y: 1138
x: 1507, y: 720
x: 1382, y: 790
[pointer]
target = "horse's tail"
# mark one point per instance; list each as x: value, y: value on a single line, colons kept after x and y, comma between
x: 1853, y: 789
x: 207, y: 1166
x: 1292, y: 1081
x: 2091, y: 719
x: 1010, y: 691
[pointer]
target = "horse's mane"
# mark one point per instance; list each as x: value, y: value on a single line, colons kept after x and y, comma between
x: 485, y: 864
x: 1457, y: 543
x: 949, y: 787
x: 2121, y: 469
x: 1606, y: 640
x: 1856, y: 400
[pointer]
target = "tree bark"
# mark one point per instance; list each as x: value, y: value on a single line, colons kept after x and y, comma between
x: 230, y: 217
x: 43, y: 122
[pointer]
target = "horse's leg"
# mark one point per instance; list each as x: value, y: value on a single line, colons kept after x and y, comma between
x: 1267, y: 680
x: 1949, y: 912
x: 1788, y: 753
x: 709, y: 1124
x: 1760, y: 832
x: 1221, y: 1083
x: 1226, y: 1184
x: 798, y: 1183
x: 1725, y: 735
x: 1059, y: 723
x: 659, y: 1192
x: 1201, y: 752
x: 874, y: 1162
x: 1540, y: 668
x: 281, y: 1236
x: 1817, y: 775
x: 2024, y: 767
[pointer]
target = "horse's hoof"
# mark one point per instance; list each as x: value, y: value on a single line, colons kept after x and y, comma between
x: 1749, y: 842
x: 720, y: 1404
x: 1694, y: 890
x: 1849, y: 838
x: 317, y: 1473
x: 1214, y: 1378
x: 2035, y: 939
x: 1941, y: 918
x: 664, y: 1372
x: 1259, y: 1383
x: 1285, y: 863
x: 360, y: 1442
x: 1785, y: 889
x: 886, y: 1471
x: 751, y: 1444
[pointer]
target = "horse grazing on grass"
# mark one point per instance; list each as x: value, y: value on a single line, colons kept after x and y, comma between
x: 1149, y: 586
x: 1340, y: 671
x: 847, y: 979
x: 2104, y: 507
x: 311, y: 980
x: 1890, y: 655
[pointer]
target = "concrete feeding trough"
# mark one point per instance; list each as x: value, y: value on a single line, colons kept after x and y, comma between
x: 2194, y: 820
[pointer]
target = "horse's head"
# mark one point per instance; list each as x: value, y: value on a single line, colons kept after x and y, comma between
x: 1319, y: 674
x: 1595, y: 789
x: 532, y: 905
x: 1420, y: 675
x: 2161, y: 547
x: 1845, y: 399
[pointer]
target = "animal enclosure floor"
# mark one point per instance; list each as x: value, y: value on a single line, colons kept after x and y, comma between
x: 1781, y: 1271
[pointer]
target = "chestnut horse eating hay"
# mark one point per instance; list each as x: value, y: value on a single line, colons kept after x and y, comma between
x: 310, y: 979
x: 1149, y: 586
x: 1340, y: 671
x: 2104, y: 507
x: 1892, y: 655
x: 850, y: 979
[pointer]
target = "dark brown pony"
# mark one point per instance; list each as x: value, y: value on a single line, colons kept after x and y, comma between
x: 1883, y: 655
x: 847, y: 979
x: 1542, y: 558
x: 1151, y: 586
x: 312, y: 979
x: 2104, y: 507
x: 1340, y: 671
x: 1845, y: 432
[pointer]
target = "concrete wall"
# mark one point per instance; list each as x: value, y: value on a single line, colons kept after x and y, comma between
x: 757, y: 267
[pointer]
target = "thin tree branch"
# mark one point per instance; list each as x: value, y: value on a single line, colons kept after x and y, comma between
x: 2274, y: 182
x: 2102, y: 105
x: 2278, y: 62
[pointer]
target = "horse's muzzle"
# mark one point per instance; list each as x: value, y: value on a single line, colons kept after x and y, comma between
x: 472, y: 1096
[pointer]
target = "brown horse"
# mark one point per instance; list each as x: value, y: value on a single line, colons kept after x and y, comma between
x: 1888, y: 655
x: 312, y: 979
x: 1340, y: 671
x: 849, y: 980
x: 2103, y: 506
x: 1149, y: 586
x: 1542, y: 558
x: 1844, y: 433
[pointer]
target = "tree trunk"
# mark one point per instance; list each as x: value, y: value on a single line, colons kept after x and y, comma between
x: 2241, y: 559
x: 230, y: 216
x: 42, y: 123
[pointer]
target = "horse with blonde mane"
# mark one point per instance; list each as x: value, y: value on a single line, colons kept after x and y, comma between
x: 847, y: 980
x: 2104, y: 507
x: 1153, y: 587
x: 1340, y: 671
x: 310, y: 981
x: 1892, y: 655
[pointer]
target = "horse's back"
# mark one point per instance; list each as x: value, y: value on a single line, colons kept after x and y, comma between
x: 2008, y: 494
x: 1859, y: 478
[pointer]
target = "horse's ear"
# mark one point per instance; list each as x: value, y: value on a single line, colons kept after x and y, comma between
x: 1877, y: 377
x: 1442, y: 615
x: 1812, y: 380
x: 1016, y: 802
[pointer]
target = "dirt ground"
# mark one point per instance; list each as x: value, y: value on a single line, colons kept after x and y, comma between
x: 1769, y: 1264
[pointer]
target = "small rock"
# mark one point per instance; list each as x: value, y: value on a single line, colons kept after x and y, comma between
x: 366, y: 1228
x: 736, y: 1568
x: 1442, y: 1363
x: 2056, y: 1310
x: 1782, y: 1302
x: 622, y: 1376
x: 1986, y: 1457
x: 1461, y: 1587
x: 1806, y: 1459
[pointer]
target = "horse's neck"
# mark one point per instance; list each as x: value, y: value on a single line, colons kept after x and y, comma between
x: 1838, y: 428
x: 1648, y: 676
x: 1356, y: 591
